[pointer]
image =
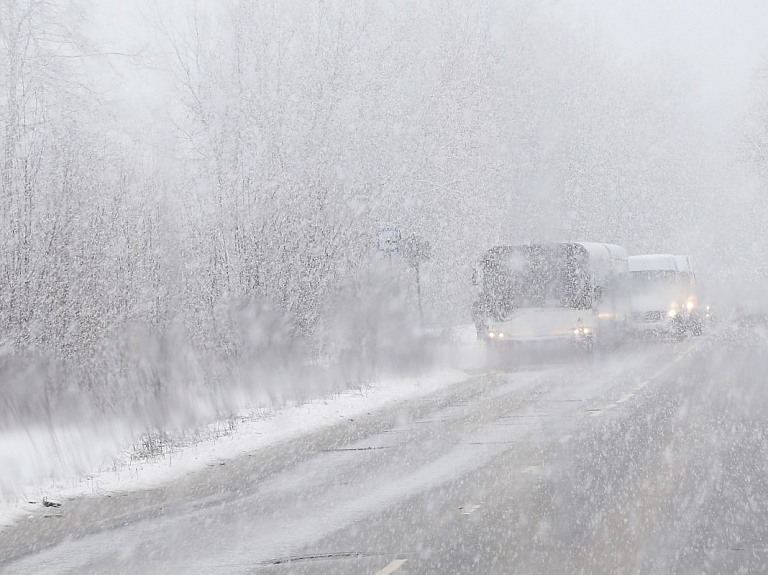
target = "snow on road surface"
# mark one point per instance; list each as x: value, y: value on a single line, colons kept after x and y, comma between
x: 475, y: 449
x: 44, y: 459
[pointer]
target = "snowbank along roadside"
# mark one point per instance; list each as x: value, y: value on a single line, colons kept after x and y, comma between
x: 49, y: 456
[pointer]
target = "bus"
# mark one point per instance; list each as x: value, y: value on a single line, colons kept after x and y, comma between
x: 664, y: 295
x: 569, y: 292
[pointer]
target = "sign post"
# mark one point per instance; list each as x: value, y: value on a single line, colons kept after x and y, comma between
x: 416, y: 250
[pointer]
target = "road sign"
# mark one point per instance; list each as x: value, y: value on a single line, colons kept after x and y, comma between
x: 388, y: 240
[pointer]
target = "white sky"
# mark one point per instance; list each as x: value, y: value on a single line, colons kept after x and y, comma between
x: 720, y: 43
x: 717, y: 44
x: 123, y: 26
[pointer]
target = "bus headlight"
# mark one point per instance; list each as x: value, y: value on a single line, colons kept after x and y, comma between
x: 672, y: 313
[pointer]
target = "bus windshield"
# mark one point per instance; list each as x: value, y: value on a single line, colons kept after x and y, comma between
x: 537, y: 276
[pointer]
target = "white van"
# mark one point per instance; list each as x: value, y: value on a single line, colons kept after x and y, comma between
x: 664, y: 295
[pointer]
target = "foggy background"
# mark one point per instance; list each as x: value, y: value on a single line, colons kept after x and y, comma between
x: 191, y: 190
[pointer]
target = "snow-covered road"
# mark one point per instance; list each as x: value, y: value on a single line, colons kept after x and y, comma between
x: 640, y: 461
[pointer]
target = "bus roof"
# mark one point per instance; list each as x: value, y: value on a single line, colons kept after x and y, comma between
x: 604, y: 251
x: 595, y: 250
x: 605, y: 260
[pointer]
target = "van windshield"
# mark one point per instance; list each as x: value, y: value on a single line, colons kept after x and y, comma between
x: 667, y: 283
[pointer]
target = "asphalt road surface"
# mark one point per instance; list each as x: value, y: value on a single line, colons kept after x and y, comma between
x: 652, y: 459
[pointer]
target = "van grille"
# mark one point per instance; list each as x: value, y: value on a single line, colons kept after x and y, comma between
x: 649, y: 316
